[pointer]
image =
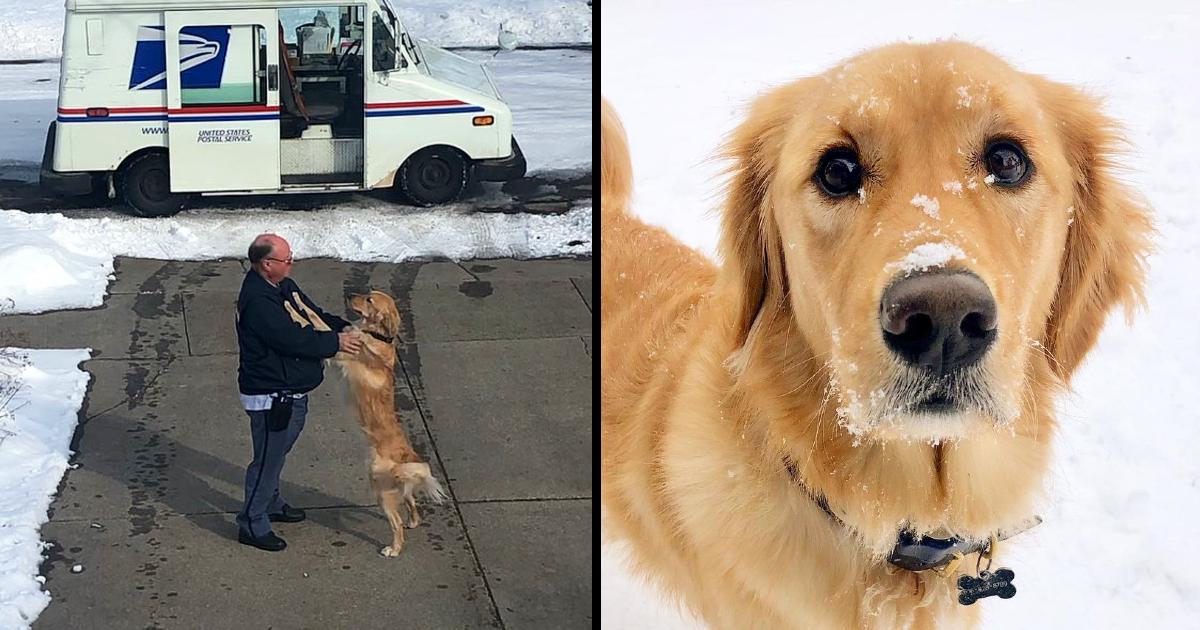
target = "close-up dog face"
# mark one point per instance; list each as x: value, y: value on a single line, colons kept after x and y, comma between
x: 942, y: 227
x: 378, y: 310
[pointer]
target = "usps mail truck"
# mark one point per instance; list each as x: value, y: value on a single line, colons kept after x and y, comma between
x: 160, y: 100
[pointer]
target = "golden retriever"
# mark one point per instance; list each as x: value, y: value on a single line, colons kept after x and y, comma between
x: 918, y: 249
x: 397, y: 472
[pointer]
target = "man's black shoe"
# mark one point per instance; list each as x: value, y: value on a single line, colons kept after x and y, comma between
x: 270, y: 542
x: 288, y: 515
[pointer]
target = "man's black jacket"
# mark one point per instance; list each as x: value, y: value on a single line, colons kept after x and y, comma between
x: 279, y: 348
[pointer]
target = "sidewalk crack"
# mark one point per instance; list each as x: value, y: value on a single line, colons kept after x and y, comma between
x: 453, y: 498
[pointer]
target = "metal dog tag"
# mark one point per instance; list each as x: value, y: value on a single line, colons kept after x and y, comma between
x: 971, y: 588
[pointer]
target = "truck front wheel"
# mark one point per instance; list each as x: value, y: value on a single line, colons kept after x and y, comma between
x: 433, y: 175
x: 145, y: 185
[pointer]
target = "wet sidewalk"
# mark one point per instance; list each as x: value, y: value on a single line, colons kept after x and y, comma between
x: 495, y: 391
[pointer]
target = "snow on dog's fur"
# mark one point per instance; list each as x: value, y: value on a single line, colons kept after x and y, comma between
x: 715, y: 379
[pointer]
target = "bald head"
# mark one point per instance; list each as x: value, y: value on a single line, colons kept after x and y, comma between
x: 271, y: 256
x: 263, y: 246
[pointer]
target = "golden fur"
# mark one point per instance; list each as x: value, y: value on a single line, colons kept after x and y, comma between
x: 713, y: 377
x: 397, y: 472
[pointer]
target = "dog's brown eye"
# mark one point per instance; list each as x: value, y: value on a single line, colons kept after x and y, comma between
x: 1007, y: 162
x: 839, y: 172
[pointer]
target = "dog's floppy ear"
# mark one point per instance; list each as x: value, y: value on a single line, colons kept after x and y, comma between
x: 386, y: 313
x: 1108, y: 237
x: 391, y: 320
x: 751, y: 251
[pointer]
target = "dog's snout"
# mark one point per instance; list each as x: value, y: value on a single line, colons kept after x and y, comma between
x: 940, y: 321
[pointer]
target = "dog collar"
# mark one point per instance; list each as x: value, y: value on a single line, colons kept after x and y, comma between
x: 379, y: 336
x: 918, y: 553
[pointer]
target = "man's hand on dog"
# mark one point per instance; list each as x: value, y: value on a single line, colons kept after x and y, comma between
x: 349, y: 342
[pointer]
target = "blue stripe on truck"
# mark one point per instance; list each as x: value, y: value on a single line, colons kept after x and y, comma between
x: 423, y: 112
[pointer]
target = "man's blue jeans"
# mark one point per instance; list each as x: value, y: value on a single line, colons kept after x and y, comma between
x: 262, y: 476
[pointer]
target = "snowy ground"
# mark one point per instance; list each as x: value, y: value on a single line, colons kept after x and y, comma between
x: 53, y: 262
x: 1124, y: 495
x: 34, y: 449
x: 32, y: 29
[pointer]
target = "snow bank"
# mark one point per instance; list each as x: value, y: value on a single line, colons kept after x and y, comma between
x: 66, y: 263
x: 48, y: 266
x: 32, y: 29
x: 36, y: 447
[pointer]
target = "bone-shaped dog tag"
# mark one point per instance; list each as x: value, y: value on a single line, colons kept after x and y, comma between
x: 1000, y: 583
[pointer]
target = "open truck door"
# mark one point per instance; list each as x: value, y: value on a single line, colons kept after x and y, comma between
x: 222, y: 80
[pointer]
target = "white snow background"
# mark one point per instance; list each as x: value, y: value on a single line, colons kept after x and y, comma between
x: 1123, y: 498
x: 32, y: 29
x: 52, y: 261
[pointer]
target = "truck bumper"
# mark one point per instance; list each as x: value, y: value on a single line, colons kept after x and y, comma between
x: 502, y: 169
x: 61, y: 183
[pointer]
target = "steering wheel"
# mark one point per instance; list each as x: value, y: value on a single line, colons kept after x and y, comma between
x: 354, y: 46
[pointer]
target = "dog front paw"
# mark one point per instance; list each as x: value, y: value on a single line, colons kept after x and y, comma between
x: 390, y: 551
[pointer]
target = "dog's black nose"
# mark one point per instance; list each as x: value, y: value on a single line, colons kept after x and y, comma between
x: 940, y: 320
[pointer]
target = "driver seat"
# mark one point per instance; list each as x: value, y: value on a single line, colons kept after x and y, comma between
x: 292, y: 100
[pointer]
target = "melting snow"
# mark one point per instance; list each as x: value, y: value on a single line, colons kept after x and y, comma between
x: 953, y: 186
x: 964, y: 97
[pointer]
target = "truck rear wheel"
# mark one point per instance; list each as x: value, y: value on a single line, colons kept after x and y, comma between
x: 145, y: 185
x: 433, y: 175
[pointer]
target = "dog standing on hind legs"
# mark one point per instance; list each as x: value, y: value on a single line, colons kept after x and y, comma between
x: 397, y: 472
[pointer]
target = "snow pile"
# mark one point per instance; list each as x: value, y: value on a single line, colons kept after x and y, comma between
x: 32, y: 29
x: 47, y: 266
x: 66, y: 263
x: 477, y: 22
x: 1123, y: 497
x: 36, y: 447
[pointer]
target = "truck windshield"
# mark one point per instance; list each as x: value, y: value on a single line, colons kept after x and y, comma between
x: 410, y: 46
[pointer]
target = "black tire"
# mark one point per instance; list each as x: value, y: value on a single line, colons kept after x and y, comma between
x: 433, y: 175
x: 145, y: 185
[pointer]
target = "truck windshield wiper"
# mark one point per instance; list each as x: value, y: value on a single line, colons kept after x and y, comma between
x: 410, y: 47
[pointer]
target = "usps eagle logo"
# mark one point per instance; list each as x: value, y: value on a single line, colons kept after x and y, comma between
x: 201, y: 57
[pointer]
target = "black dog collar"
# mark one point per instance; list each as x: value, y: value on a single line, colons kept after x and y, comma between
x: 379, y: 336
x: 912, y: 552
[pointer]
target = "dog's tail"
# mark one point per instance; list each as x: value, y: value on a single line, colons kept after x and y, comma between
x: 421, y: 478
x: 616, y: 173
x: 432, y: 489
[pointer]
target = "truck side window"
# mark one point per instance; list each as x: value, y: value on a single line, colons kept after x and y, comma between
x: 383, y: 55
x: 222, y: 65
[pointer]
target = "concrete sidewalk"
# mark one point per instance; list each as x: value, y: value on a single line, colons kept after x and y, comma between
x: 495, y: 391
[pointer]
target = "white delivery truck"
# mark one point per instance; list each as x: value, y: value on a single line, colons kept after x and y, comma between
x: 163, y: 99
